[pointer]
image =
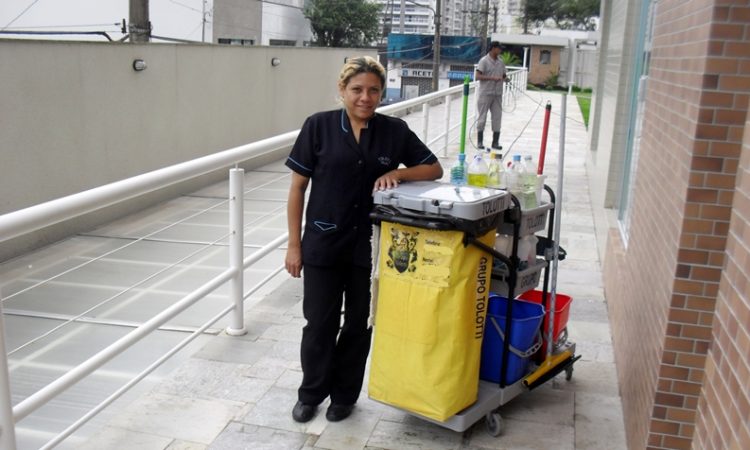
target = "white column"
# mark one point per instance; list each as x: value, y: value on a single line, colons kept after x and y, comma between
x: 236, y: 249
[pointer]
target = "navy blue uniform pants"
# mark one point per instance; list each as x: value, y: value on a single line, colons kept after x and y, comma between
x: 334, y: 356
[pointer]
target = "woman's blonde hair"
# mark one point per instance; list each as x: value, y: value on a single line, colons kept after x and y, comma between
x: 362, y: 64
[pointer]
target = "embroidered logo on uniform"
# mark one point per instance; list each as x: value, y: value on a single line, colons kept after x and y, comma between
x: 384, y: 160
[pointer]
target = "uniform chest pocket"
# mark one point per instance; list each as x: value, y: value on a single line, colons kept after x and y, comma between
x: 324, y: 226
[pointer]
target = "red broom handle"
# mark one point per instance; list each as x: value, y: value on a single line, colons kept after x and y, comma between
x: 545, y: 130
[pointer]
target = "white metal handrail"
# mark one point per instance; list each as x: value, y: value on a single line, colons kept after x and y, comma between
x: 36, y: 217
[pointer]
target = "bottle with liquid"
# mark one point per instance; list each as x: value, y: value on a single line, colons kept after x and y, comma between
x: 495, y: 173
x: 528, y: 183
x: 527, y: 251
x: 512, y: 176
x: 477, y: 171
x: 458, y: 171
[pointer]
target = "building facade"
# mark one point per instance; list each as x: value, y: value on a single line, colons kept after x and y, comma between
x: 457, y: 17
x: 281, y: 22
x: 670, y: 159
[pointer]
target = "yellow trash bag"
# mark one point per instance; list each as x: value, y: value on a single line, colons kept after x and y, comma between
x: 429, y: 321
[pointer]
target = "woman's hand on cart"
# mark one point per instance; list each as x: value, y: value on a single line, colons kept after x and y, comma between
x: 387, y: 181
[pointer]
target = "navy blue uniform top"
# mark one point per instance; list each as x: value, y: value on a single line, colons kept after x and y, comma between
x: 343, y: 173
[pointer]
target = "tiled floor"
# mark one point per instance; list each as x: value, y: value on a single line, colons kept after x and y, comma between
x: 226, y: 392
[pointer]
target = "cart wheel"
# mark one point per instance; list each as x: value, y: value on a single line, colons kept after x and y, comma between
x: 568, y: 373
x: 495, y: 424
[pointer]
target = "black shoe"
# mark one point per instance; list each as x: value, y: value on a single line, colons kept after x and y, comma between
x: 497, y: 146
x: 337, y: 412
x: 303, y: 413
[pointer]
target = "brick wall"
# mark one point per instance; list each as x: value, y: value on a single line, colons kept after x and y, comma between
x: 724, y: 405
x: 662, y: 284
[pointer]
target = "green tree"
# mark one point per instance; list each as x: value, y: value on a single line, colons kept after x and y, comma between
x: 535, y: 12
x: 567, y: 14
x: 576, y: 14
x: 343, y: 23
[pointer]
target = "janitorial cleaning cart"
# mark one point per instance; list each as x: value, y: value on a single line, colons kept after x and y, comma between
x: 442, y: 303
x: 459, y: 328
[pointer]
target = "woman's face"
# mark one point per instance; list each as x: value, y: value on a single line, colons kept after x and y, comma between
x: 361, y: 95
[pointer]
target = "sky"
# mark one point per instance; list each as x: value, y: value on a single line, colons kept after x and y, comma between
x: 179, y: 19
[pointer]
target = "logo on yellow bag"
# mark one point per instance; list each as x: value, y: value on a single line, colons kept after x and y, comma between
x: 402, y: 254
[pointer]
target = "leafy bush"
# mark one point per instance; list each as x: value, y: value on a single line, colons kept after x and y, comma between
x: 510, y: 59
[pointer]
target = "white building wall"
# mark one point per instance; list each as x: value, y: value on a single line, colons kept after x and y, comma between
x: 237, y: 19
x: 285, y: 23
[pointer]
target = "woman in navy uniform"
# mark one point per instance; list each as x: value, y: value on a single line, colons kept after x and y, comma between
x: 347, y: 153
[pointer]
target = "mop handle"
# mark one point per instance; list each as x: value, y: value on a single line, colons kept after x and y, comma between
x: 556, y: 235
x: 545, y: 130
x: 462, y: 142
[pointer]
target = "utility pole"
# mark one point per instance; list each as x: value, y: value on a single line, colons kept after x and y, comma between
x: 436, y: 51
x: 203, y: 22
x: 485, y: 25
x: 494, y: 18
x: 140, y: 25
x: 401, y: 18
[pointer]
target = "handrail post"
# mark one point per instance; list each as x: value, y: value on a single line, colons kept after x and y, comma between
x: 447, y: 123
x: 426, y: 121
x: 7, y: 424
x: 236, y: 249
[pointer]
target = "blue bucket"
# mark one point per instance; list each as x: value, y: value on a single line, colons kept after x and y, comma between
x: 524, y: 328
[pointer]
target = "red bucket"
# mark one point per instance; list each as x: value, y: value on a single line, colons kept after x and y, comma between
x: 562, y: 311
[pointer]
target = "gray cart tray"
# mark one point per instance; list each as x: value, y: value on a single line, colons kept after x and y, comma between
x: 532, y: 220
x: 526, y: 279
x: 433, y: 197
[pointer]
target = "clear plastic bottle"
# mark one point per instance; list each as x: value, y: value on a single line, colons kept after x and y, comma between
x: 524, y: 248
x: 528, y: 182
x: 511, y: 176
x: 495, y: 173
x: 477, y: 171
x: 458, y: 171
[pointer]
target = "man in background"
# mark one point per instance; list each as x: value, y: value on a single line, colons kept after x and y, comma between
x: 491, y: 74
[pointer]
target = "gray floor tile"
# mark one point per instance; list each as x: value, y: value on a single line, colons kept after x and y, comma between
x: 599, y: 422
x: 351, y: 434
x: 592, y: 377
x: 396, y: 435
x: 525, y: 435
x: 239, y: 436
x: 199, y: 378
x: 185, y: 445
x: 543, y: 405
x: 113, y: 438
x: 179, y: 417
x: 274, y: 410
x: 230, y: 349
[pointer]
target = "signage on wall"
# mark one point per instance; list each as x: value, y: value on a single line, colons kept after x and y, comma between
x: 417, y: 73
x: 457, y: 75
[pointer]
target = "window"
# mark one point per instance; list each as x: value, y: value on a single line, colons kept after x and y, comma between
x: 282, y: 42
x: 642, y: 58
x: 234, y: 41
x: 545, y: 56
